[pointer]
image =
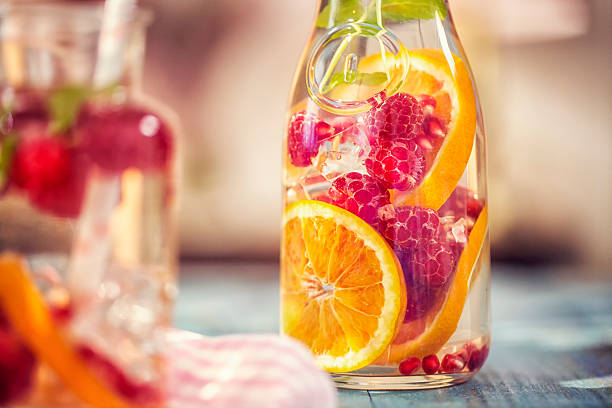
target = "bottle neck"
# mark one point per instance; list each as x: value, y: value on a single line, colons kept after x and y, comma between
x: 331, y: 13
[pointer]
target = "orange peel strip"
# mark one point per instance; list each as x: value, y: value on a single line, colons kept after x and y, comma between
x: 453, y: 156
x: 447, y: 319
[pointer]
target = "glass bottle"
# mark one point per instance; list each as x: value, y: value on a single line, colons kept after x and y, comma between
x: 385, y: 265
x: 87, y: 246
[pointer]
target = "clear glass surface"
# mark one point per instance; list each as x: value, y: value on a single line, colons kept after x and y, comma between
x: 87, y: 253
x: 385, y: 249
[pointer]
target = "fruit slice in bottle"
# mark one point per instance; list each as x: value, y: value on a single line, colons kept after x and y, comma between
x: 425, y: 336
x: 27, y: 314
x: 448, y: 82
x: 342, y: 288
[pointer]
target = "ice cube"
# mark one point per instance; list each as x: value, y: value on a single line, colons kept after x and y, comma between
x: 343, y: 153
x: 124, y: 320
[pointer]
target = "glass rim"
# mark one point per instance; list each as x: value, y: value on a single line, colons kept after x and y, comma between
x: 89, y: 14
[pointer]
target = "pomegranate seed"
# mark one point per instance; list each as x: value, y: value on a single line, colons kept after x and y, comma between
x: 478, y: 358
x: 434, y: 127
x: 409, y: 366
x: 377, y: 99
x: 452, y: 363
x: 463, y: 354
x: 469, y: 349
x: 431, y: 364
x: 473, y: 207
x: 428, y: 103
x: 424, y: 143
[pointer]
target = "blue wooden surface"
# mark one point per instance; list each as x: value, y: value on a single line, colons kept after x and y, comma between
x: 552, y: 334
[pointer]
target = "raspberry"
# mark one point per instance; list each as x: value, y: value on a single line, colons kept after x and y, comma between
x: 419, y: 300
x: 304, y: 136
x: 16, y: 367
x: 360, y: 194
x: 399, y: 116
x: 432, y: 263
x: 117, y: 139
x: 404, y: 227
x: 53, y: 175
x: 41, y: 163
x: 397, y: 164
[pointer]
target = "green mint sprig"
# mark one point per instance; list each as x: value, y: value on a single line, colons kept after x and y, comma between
x: 64, y: 106
x: 393, y: 10
x: 65, y: 103
x: 347, y: 10
x: 7, y: 151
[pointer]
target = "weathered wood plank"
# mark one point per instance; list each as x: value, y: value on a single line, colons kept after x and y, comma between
x: 552, y: 335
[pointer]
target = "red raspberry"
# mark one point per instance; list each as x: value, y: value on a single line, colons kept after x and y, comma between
x: 360, y: 194
x: 432, y: 263
x: 117, y: 139
x: 397, y: 164
x: 419, y: 300
x: 16, y: 367
x: 53, y: 175
x: 399, y: 116
x: 305, y: 134
x: 404, y: 227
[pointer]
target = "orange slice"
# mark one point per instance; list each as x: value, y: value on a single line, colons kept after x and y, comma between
x: 342, y: 288
x: 449, y: 83
x: 427, y: 335
x: 28, y: 316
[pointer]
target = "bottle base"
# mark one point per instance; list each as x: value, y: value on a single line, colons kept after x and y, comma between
x: 395, y: 383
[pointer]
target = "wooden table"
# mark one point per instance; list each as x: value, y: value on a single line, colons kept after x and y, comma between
x: 552, y: 334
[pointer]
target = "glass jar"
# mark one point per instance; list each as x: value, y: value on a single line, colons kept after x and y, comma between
x: 87, y: 243
x: 385, y: 265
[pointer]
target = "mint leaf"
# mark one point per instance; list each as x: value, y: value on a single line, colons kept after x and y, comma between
x: 345, y: 10
x: 394, y: 10
x: 7, y: 150
x: 64, y: 106
x: 403, y: 10
x: 362, y: 78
